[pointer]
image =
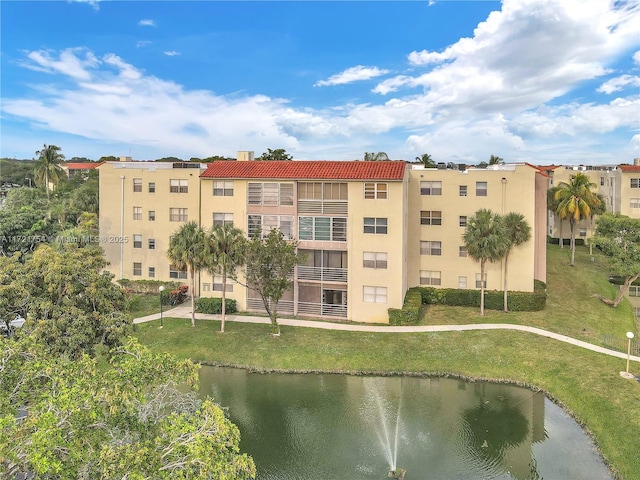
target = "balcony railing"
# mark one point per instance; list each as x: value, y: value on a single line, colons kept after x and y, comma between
x: 256, y: 305
x: 322, y: 310
x: 327, y: 207
x: 321, y: 274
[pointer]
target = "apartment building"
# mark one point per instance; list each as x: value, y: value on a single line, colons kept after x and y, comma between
x: 369, y: 230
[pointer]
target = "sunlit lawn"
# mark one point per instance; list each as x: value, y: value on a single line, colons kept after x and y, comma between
x: 587, y: 383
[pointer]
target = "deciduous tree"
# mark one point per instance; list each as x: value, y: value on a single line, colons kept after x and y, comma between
x: 375, y: 157
x: 277, y: 154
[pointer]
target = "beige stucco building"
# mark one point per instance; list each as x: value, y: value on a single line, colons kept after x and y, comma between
x: 369, y: 230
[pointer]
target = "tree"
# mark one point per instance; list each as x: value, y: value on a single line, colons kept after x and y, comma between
x: 375, y: 157
x: 518, y: 232
x: 552, y: 205
x: 495, y: 160
x: 618, y: 237
x: 482, y: 165
x: 576, y: 199
x: 426, y: 159
x: 269, y: 264
x: 277, y: 154
x: 125, y: 420
x: 48, y: 169
x: 227, y: 249
x: 485, y: 239
x: 188, y: 248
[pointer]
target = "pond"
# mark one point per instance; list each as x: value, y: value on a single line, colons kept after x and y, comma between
x: 331, y: 427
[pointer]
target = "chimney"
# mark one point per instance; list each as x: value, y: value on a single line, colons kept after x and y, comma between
x: 636, y: 162
x: 125, y: 159
x: 245, y: 156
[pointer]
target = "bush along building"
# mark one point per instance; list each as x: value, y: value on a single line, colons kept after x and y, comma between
x: 369, y: 230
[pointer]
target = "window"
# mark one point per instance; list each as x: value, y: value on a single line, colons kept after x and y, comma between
x: 602, y: 181
x: 583, y: 232
x: 335, y: 191
x: 309, y: 191
x: 463, y: 190
x: 429, y: 277
x: 137, y: 184
x: 430, y: 188
x: 431, y: 217
x: 270, y: 194
x: 217, y: 284
x: 478, y: 283
x: 152, y: 244
x: 462, y: 220
x: 178, y: 215
x: 322, y: 228
x: 175, y: 272
x: 374, y: 294
x: 179, y: 186
x: 481, y: 189
x: 462, y: 282
x: 375, y: 225
x: 254, y: 223
x: 137, y: 241
x: 266, y: 223
x: 137, y: 269
x: 375, y: 190
x: 374, y: 260
x: 220, y: 219
x: 430, y: 248
x: 462, y: 251
x: 152, y: 272
x: 206, y: 287
x: 137, y: 213
x: 223, y: 189
x: 152, y: 215
x: 635, y: 183
x: 635, y: 203
x: 152, y: 187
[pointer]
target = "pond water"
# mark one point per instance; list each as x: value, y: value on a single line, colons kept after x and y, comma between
x: 333, y: 427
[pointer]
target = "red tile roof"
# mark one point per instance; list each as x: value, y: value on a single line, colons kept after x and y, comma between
x: 630, y: 168
x: 82, y: 166
x: 316, y: 170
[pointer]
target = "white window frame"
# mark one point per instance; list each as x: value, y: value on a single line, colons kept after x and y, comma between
x: 462, y: 251
x: 152, y: 215
x: 376, y: 225
x: 430, y: 217
x: 152, y: 187
x: 462, y: 220
x: 137, y: 213
x: 376, y: 191
x: 482, y: 189
x: 217, y: 284
x: 432, y: 187
x: 152, y: 244
x: 462, y: 281
x: 178, y: 214
x: 137, y: 269
x: 478, y: 285
x: 177, y: 274
x: 223, y: 188
x: 313, y: 228
x: 221, y: 219
x: 178, y: 185
x: 430, y: 277
x: 152, y: 272
x: 374, y: 294
x: 634, y: 183
x: 634, y: 203
x: 137, y: 185
x: 377, y: 260
x: 463, y: 191
x: 431, y: 247
x: 137, y: 240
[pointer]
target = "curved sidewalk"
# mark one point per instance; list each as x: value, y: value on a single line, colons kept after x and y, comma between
x: 185, y: 312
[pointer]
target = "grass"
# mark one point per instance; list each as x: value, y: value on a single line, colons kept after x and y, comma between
x: 141, y: 305
x: 587, y: 384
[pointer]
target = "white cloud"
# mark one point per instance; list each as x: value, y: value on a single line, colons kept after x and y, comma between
x: 73, y: 62
x: 93, y: 3
x: 142, y: 43
x: 147, y: 23
x: 636, y: 57
x: 171, y: 53
x: 618, y: 83
x: 353, y: 74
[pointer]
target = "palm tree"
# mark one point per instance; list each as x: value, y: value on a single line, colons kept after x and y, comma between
x: 188, y: 248
x: 575, y: 200
x: 48, y: 169
x: 518, y: 232
x: 552, y: 205
x: 485, y: 238
x: 375, y: 157
x: 495, y: 160
x: 426, y: 159
x: 227, y: 248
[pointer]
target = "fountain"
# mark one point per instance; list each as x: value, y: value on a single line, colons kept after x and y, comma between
x: 398, y: 473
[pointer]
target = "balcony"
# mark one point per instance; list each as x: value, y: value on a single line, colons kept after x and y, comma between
x: 322, y: 310
x: 256, y: 305
x: 322, y: 274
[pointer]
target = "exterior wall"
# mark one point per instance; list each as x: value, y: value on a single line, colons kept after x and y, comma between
x: 510, y: 188
x: 627, y: 193
x: 117, y: 202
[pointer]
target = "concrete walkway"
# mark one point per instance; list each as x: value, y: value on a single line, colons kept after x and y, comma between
x: 185, y: 312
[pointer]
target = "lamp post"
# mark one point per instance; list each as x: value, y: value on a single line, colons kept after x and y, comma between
x: 161, y: 289
x: 626, y: 374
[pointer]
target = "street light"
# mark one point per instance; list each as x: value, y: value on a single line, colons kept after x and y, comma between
x: 161, y: 289
x: 627, y: 374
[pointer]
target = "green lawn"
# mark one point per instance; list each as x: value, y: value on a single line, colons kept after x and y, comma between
x: 586, y: 383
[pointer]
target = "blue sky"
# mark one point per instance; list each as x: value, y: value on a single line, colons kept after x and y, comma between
x: 543, y: 81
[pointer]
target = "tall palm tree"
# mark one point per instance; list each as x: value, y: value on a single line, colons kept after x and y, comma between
x: 426, y: 159
x: 227, y: 248
x: 485, y: 239
x: 188, y: 248
x: 552, y: 205
x: 576, y: 199
x: 375, y: 157
x: 518, y: 232
x: 495, y: 160
x: 48, y: 169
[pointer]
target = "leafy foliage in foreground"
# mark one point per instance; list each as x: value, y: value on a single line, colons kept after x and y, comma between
x: 64, y: 419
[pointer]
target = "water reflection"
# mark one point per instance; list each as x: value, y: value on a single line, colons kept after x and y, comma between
x: 338, y: 426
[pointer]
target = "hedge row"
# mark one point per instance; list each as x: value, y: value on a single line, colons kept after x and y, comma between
x: 214, y: 305
x: 409, y: 314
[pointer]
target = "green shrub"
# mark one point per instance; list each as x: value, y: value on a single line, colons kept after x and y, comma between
x: 214, y: 305
x: 409, y: 314
x: 147, y: 286
x: 493, y: 299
